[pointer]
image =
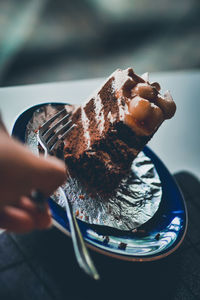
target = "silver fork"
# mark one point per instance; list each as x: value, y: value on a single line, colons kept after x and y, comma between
x: 49, y: 135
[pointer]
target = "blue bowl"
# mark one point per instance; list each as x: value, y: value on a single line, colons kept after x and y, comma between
x: 157, y: 238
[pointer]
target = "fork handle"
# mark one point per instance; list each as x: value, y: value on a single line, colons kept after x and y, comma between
x: 82, y: 255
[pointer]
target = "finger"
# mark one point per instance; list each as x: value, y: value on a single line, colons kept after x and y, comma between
x: 24, y: 218
x: 25, y: 171
x: 42, y: 218
x: 16, y: 220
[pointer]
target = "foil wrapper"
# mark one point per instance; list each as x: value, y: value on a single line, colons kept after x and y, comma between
x: 132, y: 204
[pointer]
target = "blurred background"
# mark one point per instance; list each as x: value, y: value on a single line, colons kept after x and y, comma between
x: 48, y: 40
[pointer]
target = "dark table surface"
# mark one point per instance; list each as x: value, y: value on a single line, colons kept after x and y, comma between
x: 41, y: 265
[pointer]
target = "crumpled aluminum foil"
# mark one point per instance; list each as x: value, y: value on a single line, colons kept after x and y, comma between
x: 134, y: 202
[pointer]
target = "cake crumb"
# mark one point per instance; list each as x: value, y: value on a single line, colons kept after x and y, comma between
x: 157, y: 237
x: 122, y: 246
x: 81, y: 196
x: 106, y: 240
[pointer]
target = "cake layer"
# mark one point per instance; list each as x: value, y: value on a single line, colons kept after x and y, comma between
x: 113, y: 125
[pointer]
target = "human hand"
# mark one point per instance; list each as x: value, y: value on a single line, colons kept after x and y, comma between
x: 21, y: 172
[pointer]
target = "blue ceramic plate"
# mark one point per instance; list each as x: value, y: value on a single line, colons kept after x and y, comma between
x: 156, y: 239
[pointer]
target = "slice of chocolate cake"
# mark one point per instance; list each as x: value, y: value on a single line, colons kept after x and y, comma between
x: 113, y: 126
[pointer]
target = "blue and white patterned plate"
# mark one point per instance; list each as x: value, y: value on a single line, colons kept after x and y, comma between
x: 157, y: 238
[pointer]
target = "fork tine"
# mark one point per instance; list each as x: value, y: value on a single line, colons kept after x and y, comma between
x: 68, y: 130
x: 45, y: 126
x: 62, y: 137
x: 51, y: 135
x: 52, y: 130
x: 59, y: 134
